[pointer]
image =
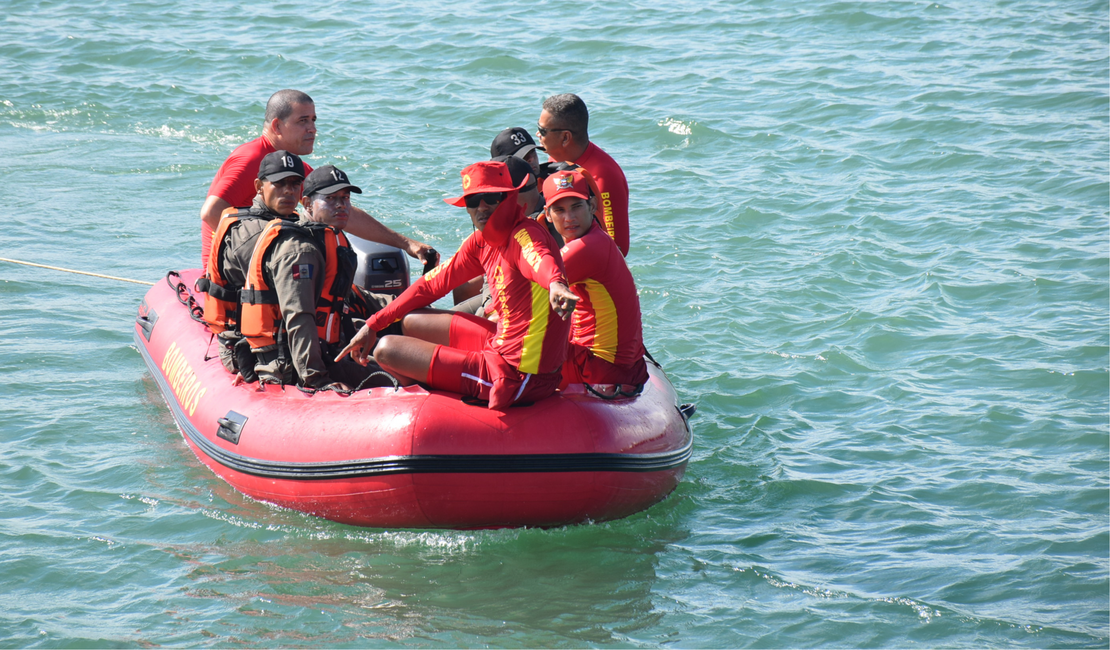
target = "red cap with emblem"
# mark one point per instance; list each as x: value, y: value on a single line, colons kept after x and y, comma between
x: 565, y: 183
x: 483, y: 177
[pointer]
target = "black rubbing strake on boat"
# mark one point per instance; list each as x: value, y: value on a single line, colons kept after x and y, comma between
x: 453, y: 464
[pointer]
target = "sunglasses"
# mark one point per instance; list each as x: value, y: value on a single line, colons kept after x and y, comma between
x: 491, y: 198
x: 542, y: 132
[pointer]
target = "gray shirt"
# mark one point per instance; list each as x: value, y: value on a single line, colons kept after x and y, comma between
x: 296, y: 268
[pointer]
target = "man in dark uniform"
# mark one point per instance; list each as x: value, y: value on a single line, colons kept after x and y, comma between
x: 308, y: 269
x: 278, y: 189
x: 516, y: 142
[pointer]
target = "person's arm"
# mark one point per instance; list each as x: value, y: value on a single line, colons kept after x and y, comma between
x: 613, y: 204
x: 540, y: 264
x: 432, y: 286
x: 426, y: 290
x: 468, y: 289
x: 361, y: 224
x: 562, y: 299
x: 580, y: 262
x: 234, y: 177
x: 210, y: 214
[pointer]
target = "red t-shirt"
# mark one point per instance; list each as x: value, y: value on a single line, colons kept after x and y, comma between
x: 234, y: 183
x: 614, y: 193
x: 518, y: 257
x: 607, y: 318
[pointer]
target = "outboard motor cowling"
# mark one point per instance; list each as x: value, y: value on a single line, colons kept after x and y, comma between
x: 381, y: 268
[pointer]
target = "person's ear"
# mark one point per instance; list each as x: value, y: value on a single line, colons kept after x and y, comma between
x: 307, y: 203
x: 257, y: 185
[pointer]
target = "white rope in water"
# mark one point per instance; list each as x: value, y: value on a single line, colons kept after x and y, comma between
x: 58, y: 268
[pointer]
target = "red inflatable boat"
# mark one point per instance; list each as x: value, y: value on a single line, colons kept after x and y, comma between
x: 410, y: 457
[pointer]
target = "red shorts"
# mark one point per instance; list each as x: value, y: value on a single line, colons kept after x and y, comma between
x: 466, y: 367
x: 582, y: 367
x: 470, y: 332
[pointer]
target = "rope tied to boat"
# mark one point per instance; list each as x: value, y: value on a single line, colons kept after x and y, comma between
x: 618, y: 391
x: 396, y: 384
x: 185, y: 297
x: 59, y: 268
x: 308, y: 390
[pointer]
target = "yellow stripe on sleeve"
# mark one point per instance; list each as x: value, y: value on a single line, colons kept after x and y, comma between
x: 605, y: 321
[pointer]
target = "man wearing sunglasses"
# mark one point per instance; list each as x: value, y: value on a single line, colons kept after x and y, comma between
x: 290, y: 125
x: 563, y: 130
x: 517, y: 359
x: 606, y: 335
x: 473, y: 297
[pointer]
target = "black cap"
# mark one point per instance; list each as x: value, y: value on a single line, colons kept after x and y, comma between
x: 518, y: 171
x: 512, y: 142
x: 328, y: 179
x: 280, y: 164
x: 550, y: 167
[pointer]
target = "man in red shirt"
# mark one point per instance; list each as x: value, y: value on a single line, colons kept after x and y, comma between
x: 606, y: 336
x: 290, y: 124
x: 519, y: 357
x: 564, y: 134
x: 473, y: 297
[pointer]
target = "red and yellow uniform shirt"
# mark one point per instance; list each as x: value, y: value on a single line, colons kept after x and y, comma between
x: 613, y: 198
x: 606, y: 322
x: 518, y: 257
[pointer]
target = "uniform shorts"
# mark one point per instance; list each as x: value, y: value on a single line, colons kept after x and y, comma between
x: 471, y: 332
x: 582, y: 367
x: 465, y: 366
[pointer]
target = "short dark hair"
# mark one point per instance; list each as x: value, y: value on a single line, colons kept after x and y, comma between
x: 570, y: 111
x: 281, y: 103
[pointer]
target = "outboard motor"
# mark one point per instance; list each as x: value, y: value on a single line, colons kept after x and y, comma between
x: 381, y: 268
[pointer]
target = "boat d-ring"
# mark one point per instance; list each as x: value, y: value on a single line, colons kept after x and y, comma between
x: 687, y: 411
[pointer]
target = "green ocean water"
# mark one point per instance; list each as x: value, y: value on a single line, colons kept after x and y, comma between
x: 871, y: 240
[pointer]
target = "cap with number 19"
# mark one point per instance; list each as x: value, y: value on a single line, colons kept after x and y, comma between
x: 280, y: 164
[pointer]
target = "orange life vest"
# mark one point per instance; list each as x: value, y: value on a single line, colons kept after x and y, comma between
x: 221, y: 302
x: 261, y: 321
